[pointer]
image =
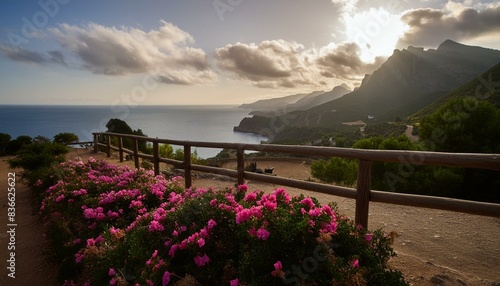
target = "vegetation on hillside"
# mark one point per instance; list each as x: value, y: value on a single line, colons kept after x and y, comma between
x: 460, y: 125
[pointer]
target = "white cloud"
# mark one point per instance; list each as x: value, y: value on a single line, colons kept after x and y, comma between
x: 118, y: 51
x: 276, y: 63
x: 163, y: 53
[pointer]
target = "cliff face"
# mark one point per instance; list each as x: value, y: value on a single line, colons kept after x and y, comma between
x: 256, y: 124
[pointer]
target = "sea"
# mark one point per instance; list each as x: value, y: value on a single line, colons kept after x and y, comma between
x: 213, y: 123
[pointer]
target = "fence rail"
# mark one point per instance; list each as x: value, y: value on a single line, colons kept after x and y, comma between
x: 362, y: 194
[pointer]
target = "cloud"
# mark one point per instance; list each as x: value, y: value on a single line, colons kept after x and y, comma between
x: 281, y: 64
x: 270, y: 64
x: 164, y: 52
x: 119, y: 51
x: 344, y: 62
x: 428, y: 27
x: 26, y: 56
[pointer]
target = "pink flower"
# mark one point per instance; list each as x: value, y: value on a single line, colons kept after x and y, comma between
x: 243, y: 188
x: 201, y: 260
x: 368, y: 237
x: 329, y: 227
x: 60, y: 198
x: 211, y: 224
x: 355, y: 263
x: 155, y: 253
x: 112, y: 281
x: 252, y: 231
x: 90, y: 242
x: 165, y: 279
x: 111, y: 272
x: 204, y: 232
x: 155, y: 226
x: 270, y: 205
x: 250, y: 197
x: 278, y: 265
x: 201, y: 242
x: 307, y: 202
x: 262, y: 233
x: 314, y: 212
x: 79, y: 257
x: 172, y: 250
x: 234, y: 282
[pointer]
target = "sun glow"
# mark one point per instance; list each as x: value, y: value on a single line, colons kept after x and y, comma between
x: 375, y: 31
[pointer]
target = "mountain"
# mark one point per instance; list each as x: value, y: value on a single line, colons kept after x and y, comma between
x: 267, y: 105
x: 484, y: 87
x: 317, y: 99
x: 279, y: 106
x: 409, y: 80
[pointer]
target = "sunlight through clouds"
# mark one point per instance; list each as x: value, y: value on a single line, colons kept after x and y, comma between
x: 375, y: 31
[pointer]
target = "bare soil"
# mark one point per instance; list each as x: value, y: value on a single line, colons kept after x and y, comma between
x: 434, y: 247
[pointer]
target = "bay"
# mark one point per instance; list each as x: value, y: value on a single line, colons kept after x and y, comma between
x: 193, y: 123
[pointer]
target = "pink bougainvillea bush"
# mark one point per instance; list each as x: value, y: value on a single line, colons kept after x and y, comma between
x: 112, y: 225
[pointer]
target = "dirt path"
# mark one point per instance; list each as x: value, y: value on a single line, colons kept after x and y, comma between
x: 434, y: 247
x: 409, y: 133
x: 32, y: 266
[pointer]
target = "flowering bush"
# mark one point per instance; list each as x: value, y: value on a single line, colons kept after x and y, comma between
x: 112, y: 225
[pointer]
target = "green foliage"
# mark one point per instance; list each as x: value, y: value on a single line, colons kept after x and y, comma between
x: 39, y: 161
x: 336, y: 170
x: 14, y: 146
x: 167, y: 151
x: 65, y: 138
x: 4, y: 143
x: 463, y: 125
x: 116, y: 125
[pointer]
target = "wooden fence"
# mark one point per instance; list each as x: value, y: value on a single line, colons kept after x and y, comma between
x: 362, y: 194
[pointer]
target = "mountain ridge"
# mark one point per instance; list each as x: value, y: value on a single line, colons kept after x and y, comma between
x: 408, y: 79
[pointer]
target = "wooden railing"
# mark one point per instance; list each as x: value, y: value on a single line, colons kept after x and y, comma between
x: 362, y: 194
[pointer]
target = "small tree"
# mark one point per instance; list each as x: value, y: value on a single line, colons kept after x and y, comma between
x: 15, y: 145
x: 65, y: 138
x: 116, y: 125
x: 4, y: 143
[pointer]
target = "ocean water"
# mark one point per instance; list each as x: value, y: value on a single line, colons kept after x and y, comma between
x: 193, y: 123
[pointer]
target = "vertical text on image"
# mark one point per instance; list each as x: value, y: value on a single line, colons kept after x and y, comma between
x: 11, y: 224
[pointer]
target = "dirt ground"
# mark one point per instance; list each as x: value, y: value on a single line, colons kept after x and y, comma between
x: 434, y: 247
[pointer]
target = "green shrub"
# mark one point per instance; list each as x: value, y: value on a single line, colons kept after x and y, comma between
x: 65, y: 138
x: 39, y: 161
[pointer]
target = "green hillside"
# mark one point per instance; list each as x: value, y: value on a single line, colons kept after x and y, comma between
x: 485, y: 87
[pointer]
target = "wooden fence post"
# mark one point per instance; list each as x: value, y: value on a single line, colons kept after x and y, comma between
x: 108, y: 146
x: 96, y: 140
x: 156, y: 158
x: 240, y: 157
x: 136, y: 153
x: 187, y: 166
x: 363, y: 193
x: 120, y: 148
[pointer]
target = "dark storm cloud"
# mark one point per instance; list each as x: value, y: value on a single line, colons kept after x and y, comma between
x: 428, y: 27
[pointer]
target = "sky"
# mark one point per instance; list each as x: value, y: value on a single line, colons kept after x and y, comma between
x: 200, y: 52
